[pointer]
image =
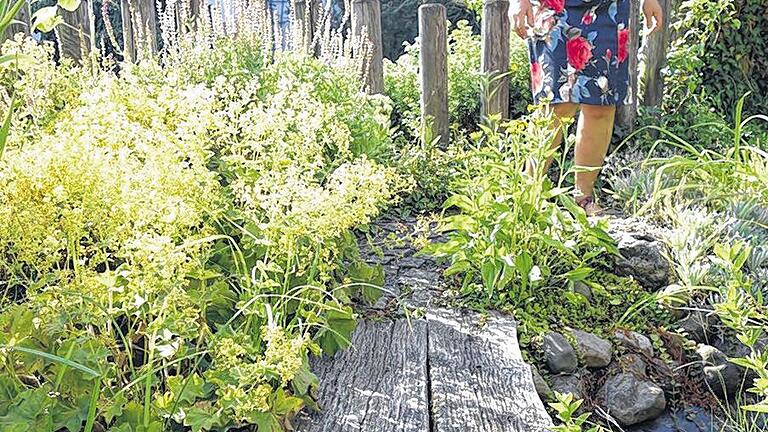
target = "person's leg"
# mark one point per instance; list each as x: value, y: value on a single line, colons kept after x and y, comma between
x: 592, y: 138
x: 560, y: 111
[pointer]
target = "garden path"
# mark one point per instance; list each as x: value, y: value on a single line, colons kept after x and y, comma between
x: 417, y: 366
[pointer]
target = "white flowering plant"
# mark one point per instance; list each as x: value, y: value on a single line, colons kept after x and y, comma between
x: 176, y: 239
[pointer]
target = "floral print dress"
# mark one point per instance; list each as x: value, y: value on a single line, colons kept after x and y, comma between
x: 579, y: 51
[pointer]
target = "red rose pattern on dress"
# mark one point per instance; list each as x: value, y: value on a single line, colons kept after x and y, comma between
x: 578, y: 51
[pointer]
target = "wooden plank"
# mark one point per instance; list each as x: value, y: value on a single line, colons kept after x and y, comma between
x: 366, y: 34
x: 478, y: 380
x: 379, y: 385
x: 655, y: 48
x: 626, y: 115
x: 494, y: 54
x: 434, y: 72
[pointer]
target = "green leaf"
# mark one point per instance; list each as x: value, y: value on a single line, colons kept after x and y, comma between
x: 5, y: 129
x: 56, y: 359
x: 187, y: 389
x: 338, y: 335
x: 7, y: 19
x: 578, y: 274
x: 304, y: 379
x: 284, y: 404
x: 370, y: 276
x: 70, y: 5
x: 46, y: 19
x: 202, y: 418
x: 489, y: 271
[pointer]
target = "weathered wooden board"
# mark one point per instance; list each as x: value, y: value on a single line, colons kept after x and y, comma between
x: 478, y: 380
x: 379, y: 385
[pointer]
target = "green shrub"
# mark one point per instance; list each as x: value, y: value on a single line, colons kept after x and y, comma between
x: 718, y: 55
x: 183, y: 243
x: 517, y: 242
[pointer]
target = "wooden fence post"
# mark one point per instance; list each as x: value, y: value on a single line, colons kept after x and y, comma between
x: 126, y: 15
x: 626, y: 115
x: 366, y: 30
x: 655, y: 47
x: 302, y: 13
x: 495, y: 57
x: 77, y: 33
x: 23, y: 25
x: 147, y: 19
x: 434, y: 71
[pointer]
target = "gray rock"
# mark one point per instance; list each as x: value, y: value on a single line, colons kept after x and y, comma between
x: 690, y: 419
x: 568, y: 383
x: 583, y: 289
x: 641, y: 258
x: 634, y: 340
x: 634, y: 364
x: 559, y: 354
x: 542, y: 388
x: 698, y: 325
x: 595, y: 351
x: 631, y: 400
x: 723, y: 378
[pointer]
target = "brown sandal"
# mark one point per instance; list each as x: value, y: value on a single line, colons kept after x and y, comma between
x: 589, y: 205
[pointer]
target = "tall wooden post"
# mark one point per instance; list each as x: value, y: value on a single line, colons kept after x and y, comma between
x: 626, y: 115
x: 146, y: 15
x: 495, y: 57
x: 366, y: 35
x: 655, y: 48
x: 302, y: 13
x: 23, y: 25
x: 129, y: 47
x: 77, y: 33
x: 194, y: 13
x: 434, y: 71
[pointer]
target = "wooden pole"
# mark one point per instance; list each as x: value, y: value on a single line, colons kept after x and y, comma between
x: 147, y: 15
x: 194, y: 13
x: 302, y: 13
x: 626, y: 115
x: 77, y: 33
x: 655, y: 48
x: 23, y: 25
x: 129, y: 47
x: 366, y: 36
x: 495, y: 57
x: 434, y: 71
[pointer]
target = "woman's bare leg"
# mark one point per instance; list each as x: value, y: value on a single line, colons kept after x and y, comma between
x: 592, y: 138
x: 561, y: 111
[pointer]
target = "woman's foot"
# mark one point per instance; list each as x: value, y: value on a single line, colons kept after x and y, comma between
x: 589, y: 205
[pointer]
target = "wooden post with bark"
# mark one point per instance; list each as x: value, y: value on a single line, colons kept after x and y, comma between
x: 75, y: 36
x: 22, y: 26
x: 366, y: 37
x: 434, y: 71
x: 129, y: 47
x: 626, y: 115
x: 495, y: 57
x: 655, y: 47
x: 146, y: 18
x: 302, y: 13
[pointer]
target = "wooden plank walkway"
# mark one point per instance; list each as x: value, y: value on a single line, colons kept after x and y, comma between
x: 442, y: 373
